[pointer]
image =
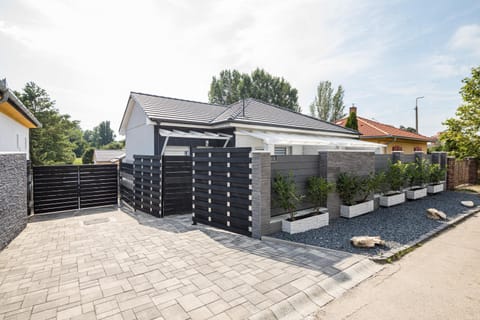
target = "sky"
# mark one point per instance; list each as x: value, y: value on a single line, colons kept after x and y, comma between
x: 90, y: 54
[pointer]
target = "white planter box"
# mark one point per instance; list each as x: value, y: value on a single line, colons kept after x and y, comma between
x: 304, y: 224
x: 388, y: 201
x: 436, y: 188
x: 416, y: 194
x: 357, y: 209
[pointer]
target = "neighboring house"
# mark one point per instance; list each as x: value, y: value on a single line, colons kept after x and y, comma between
x: 155, y: 125
x: 15, y: 122
x: 393, y: 138
x: 108, y: 156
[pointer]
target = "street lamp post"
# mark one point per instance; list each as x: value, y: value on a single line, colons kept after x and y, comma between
x: 416, y: 113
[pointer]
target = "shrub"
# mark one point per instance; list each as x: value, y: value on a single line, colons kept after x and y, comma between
x: 396, y: 177
x: 352, y: 188
x: 418, y: 173
x: 318, y: 190
x: 378, y: 182
x: 437, y: 174
x: 287, y: 194
x: 88, y: 156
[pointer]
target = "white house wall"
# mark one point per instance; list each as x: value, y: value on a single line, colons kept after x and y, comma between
x: 13, y: 136
x: 243, y: 141
x: 139, y: 137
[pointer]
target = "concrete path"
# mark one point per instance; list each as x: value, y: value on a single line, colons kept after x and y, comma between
x: 114, y: 265
x: 440, y: 280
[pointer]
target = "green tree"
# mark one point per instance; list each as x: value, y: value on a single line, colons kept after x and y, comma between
x: 100, y: 136
x: 232, y: 86
x: 328, y: 106
x: 352, y: 121
x: 50, y: 144
x: 87, y: 157
x: 462, y: 137
x: 115, y: 145
x: 409, y: 129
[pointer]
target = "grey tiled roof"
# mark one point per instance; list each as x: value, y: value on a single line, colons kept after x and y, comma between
x: 259, y: 112
x: 163, y: 108
x: 256, y: 112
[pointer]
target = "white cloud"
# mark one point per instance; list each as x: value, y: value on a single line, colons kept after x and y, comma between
x: 467, y: 38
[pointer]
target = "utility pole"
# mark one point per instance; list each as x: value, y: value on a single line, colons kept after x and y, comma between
x: 416, y: 113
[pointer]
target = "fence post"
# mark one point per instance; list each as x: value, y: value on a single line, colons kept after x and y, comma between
x: 451, y: 183
x: 261, y: 193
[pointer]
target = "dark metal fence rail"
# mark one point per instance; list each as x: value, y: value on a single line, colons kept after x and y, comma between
x: 147, y: 194
x: 222, y: 188
x: 58, y: 188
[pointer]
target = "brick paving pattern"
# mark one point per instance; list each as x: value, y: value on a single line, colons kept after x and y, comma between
x: 113, y: 265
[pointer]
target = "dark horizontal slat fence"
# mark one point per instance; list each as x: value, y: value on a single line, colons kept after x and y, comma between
x: 302, y: 168
x: 147, y: 194
x: 126, y: 183
x: 58, y: 188
x: 222, y: 188
x: 176, y: 185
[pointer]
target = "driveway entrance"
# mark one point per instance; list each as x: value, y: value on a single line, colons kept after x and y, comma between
x: 114, y: 265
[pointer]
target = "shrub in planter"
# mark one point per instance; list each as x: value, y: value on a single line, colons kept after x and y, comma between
x: 437, y: 175
x: 353, y: 191
x: 287, y: 195
x: 418, y: 173
x: 395, y: 177
x: 317, y: 192
x: 418, y: 176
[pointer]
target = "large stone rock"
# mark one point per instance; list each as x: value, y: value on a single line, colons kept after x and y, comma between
x: 366, y: 241
x: 468, y: 204
x: 435, y: 214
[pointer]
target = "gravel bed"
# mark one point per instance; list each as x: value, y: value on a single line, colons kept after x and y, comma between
x: 396, y: 225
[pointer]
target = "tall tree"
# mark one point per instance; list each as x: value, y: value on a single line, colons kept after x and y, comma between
x: 232, y: 86
x: 352, y: 121
x: 100, y: 136
x: 50, y: 144
x: 462, y: 137
x: 338, y: 107
x: 328, y: 106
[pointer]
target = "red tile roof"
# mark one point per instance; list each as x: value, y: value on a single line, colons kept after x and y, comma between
x: 370, y: 128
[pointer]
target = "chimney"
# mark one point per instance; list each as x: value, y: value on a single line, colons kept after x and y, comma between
x: 353, y: 109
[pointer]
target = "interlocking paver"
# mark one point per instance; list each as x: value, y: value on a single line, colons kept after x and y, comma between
x: 138, y: 267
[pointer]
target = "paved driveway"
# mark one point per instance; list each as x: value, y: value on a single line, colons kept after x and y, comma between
x: 113, y: 265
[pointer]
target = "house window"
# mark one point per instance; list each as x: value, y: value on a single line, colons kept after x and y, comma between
x: 397, y: 148
x: 417, y: 149
x: 283, y: 150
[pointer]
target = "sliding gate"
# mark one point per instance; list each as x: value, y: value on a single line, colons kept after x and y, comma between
x: 70, y: 187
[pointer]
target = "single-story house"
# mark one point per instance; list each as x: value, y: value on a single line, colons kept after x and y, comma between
x: 15, y: 122
x: 108, y: 156
x: 394, y: 139
x: 156, y: 125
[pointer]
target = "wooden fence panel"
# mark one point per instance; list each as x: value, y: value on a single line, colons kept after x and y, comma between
x: 222, y: 188
x: 176, y: 185
x: 147, y: 193
x: 98, y: 185
x: 126, y: 183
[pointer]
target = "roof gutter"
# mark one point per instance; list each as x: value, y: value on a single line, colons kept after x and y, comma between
x: 18, y: 105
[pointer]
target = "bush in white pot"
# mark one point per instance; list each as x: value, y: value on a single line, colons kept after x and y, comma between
x: 437, y: 176
x: 418, y: 174
x: 317, y: 191
x: 354, y: 191
x: 395, y: 180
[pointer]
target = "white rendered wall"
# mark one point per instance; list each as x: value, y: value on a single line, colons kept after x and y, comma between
x: 13, y: 136
x: 243, y: 141
x: 139, y: 135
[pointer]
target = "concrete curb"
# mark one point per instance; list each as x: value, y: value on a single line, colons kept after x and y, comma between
x: 382, y: 258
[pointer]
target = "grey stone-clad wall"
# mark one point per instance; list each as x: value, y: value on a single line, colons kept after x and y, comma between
x: 358, y: 163
x: 13, y: 196
x: 261, y: 195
